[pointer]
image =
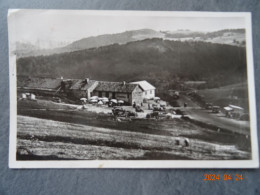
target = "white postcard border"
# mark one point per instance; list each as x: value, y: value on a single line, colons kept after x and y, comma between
x: 253, y: 163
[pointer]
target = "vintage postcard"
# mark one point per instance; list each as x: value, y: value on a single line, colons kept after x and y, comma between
x: 131, y: 89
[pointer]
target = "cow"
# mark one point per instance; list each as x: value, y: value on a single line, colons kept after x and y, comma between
x: 186, y: 142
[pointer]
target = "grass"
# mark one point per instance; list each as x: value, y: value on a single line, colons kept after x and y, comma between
x: 47, y: 138
x: 60, y: 132
x: 223, y: 96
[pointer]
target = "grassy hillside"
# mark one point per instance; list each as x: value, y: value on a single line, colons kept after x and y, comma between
x: 53, y: 140
x: 232, y: 94
x: 155, y: 60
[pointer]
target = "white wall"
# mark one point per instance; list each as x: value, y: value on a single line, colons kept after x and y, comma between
x: 149, y: 94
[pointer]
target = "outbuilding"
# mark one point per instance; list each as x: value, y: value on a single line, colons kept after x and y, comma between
x: 233, y: 111
x: 43, y: 86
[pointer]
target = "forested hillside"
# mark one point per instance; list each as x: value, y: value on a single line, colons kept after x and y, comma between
x: 155, y: 60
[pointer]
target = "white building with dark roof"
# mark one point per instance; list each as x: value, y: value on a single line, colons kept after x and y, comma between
x: 148, y: 89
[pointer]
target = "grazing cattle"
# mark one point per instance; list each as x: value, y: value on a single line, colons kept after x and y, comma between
x: 177, y: 142
x: 182, y: 142
x: 186, y: 142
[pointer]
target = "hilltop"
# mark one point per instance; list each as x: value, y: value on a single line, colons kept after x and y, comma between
x: 235, y: 37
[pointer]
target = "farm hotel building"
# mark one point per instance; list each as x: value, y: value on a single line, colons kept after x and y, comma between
x: 78, y: 88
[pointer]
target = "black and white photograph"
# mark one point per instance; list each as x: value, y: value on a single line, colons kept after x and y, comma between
x: 131, y: 89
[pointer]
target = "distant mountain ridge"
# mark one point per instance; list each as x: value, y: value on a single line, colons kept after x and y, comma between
x: 229, y: 36
x: 110, y: 39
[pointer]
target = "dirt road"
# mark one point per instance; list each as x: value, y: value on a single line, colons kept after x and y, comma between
x: 197, y: 113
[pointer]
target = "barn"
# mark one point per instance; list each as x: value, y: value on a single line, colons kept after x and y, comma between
x: 148, y: 89
x: 43, y: 86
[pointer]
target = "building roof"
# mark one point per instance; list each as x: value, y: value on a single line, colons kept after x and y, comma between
x: 115, y: 87
x: 144, y: 85
x: 38, y: 83
x: 77, y: 84
x: 235, y: 107
x: 227, y: 108
x: 195, y: 82
x: 83, y: 84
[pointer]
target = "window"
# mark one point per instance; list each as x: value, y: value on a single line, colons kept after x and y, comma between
x: 146, y: 93
x: 151, y: 92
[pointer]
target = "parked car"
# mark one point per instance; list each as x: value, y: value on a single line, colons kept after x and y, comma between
x: 118, y: 111
x: 163, y: 106
x: 236, y: 115
x: 157, y: 115
x: 176, y: 96
x: 56, y: 99
x: 158, y: 108
x: 215, y: 109
x: 178, y: 112
x: 112, y: 104
x: 154, y: 114
x: 245, y: 117
x: 138, y: 109
x: 130, y: 114
x: 209, y: 106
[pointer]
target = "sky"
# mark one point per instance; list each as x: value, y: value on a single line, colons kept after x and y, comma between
x: 53, y: 28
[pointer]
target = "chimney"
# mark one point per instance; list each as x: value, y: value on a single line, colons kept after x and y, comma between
x: 87, y: 80
x: 123, y: 83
